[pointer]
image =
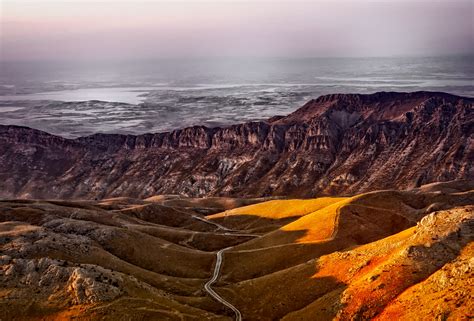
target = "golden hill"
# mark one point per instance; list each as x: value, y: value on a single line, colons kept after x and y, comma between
x: 278, y: 209
x: 386, y: 255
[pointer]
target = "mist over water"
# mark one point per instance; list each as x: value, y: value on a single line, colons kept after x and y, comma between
x: 154, y: 96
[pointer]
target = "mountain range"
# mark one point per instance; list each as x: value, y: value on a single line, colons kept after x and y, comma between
x: 340, y: 144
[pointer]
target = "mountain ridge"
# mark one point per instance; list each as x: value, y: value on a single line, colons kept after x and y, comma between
x: 334, y: 144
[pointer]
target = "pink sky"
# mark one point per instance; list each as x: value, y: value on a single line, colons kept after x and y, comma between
x: 71, y: 29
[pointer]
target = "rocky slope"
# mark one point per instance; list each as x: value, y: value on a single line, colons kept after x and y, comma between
x: 335, y: 144
x: 384, y: 255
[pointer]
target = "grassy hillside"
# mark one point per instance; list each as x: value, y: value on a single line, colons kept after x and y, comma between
x: 383, y: 255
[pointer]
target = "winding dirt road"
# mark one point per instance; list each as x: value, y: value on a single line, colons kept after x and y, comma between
x: 214, y: 294
x: 217, y: 267
x: 202, y: 219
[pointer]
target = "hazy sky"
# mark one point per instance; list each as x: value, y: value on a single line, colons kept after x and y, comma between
x: 77, y: 30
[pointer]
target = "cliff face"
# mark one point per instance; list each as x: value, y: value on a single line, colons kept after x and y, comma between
x: 335, y: 144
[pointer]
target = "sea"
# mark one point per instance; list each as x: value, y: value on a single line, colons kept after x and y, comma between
x: 136, y: 97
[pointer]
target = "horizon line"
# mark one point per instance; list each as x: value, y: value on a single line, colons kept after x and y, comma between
x: 164, y: 58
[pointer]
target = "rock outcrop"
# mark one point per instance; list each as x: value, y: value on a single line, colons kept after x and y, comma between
x: 335, y: 144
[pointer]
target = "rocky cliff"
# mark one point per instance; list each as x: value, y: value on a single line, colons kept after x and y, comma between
x: 335, y: 144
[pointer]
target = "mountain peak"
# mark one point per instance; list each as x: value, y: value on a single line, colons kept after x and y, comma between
x: 383, y: 105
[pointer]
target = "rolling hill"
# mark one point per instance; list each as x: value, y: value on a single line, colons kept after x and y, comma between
x: 382, y: 255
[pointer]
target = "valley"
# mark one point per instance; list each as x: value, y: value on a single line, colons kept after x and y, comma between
x: 379, y: 255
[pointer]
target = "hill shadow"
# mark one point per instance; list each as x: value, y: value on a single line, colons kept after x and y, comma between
x: 358, y: 283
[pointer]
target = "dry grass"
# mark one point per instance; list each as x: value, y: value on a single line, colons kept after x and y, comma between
x: 278, y: 209
x: 361, y: 257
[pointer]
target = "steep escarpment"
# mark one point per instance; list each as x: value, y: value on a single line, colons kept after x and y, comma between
x: 335, y: 144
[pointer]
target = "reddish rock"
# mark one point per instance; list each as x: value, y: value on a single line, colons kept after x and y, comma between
x: 335, y: 144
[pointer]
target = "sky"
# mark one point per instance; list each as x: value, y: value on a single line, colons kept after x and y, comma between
x: 119, y: 30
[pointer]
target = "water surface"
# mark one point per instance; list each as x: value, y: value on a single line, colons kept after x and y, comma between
x: 154, y: 96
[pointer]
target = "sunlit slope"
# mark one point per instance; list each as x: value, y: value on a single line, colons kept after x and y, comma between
x: 360, y: 218
x: 278, y: 209
x: 379, y: 273
x: 346, y: 218
x: 267, y: 216
x: 386, y: 278
x: 448, y: 293
x: 319, y: 225
x: 350, y: 222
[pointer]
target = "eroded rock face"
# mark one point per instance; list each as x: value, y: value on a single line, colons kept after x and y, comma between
x: 438, y: 240
x: 85, y: 285
x: 336, y: 144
